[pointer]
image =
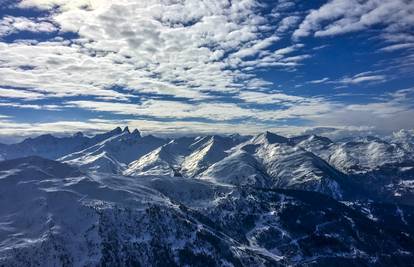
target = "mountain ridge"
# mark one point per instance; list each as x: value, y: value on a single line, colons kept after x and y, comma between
x: 264, y: 200
x: 307, y: 162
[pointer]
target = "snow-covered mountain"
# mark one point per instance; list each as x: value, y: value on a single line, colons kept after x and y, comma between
x: 265, y: 160
x: 310, y: 162
x: 403, y: 138
x: 122, y: 199
x: 367, y: 154
x: 165, y: 160
x: 184, y: 156
x: 53, y: 215
x: 274, y: 161
x: 51, y: 147
x: 356, y: 156
x: 114, y: 153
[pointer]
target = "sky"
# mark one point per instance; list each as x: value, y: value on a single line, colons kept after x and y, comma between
x: 174, y: 67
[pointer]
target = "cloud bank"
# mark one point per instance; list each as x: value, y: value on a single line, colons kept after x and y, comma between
x: 193, y: 62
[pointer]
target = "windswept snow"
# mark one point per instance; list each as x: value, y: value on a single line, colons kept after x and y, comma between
x: 274, y: 161
x: 53, y: 215
x: 183, y: 156
x: 114, y: 153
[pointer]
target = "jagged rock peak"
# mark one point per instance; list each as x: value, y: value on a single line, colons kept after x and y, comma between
x: 126, y: 129
x: 136, y: 132
x: 117, y: 130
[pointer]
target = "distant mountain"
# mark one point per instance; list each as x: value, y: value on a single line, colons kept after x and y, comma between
x: 404, y: 138
x: 54, y: 215
x: 356, y: 156
x: 114, y: 153
x: 51, y: 147
x: 366, y: 155
x: 354, y: 168
x: 321, y: 146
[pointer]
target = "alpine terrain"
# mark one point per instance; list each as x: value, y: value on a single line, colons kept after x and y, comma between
x: 125, y: 199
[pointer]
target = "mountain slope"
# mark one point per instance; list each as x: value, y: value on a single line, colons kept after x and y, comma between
x: 366, y: 155
x: 276, y: 162
x: 211, y: 151
x: 183, y: 156
x: 51, y: 214
x: 165, y: 160
x: 115, y: 153
x: 355, y: 168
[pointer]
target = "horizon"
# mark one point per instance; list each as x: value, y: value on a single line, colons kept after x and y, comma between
x: 333, y: 134
x: 196, y: 67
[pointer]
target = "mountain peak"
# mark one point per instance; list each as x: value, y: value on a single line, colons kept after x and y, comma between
x: 126, y: 130
x: 270, y: 138
x: 117, y: 130
x: 78, y: 134
x: 320, y: 138
x: 136, y: 133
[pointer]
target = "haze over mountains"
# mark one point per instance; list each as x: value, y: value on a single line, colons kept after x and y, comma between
x: 120, y: 198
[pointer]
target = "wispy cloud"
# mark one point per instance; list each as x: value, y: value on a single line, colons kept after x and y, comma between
x: 270, y: 98
x: 323, y: 80
x: 214, y: 111
x: 394, y: 17
x: 19, y: 93
x: 392, y: 111
x: 29, y: 106
x: 395, y: 47
x: 363, y: 77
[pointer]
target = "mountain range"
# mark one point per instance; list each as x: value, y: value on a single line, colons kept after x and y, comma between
x: 124, y: 199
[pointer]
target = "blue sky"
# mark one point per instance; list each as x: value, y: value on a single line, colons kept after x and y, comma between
x: 177, y: 67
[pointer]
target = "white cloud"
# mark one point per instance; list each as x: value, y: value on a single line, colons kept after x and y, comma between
x: 187, y: 49
x: 291, y: 107
x: 269, y: 98
x: 363, y: 77
x: 323, y: 80
x: 395, y: 47
x: 154, y: 46
x: 9, y: 25
x: 30, y: 106
x: 169, y: 109
x: 18, y: 93
x: 338, y: 132
x: 64, y: 4
x: 393, y: 111
x: 344, y: 16
x: 288, y: 23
